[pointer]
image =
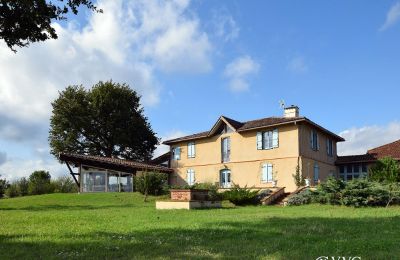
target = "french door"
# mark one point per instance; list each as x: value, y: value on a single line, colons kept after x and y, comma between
x: 225, y: 178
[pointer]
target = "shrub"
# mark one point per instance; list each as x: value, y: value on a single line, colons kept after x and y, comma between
x: 64, y: 184
x: 330, y: 192
x: 298, y: 178
x: 213, y: 193
x: 300, y: 198
x: 241, y: 196
x: 153, y: 183
x: 12, y: 190
x: 385, y: 170
x: 3, y: 186
x: 22, y: 186
x: 39, y: 183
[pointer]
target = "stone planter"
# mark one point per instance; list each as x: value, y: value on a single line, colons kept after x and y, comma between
x: 188, y: 194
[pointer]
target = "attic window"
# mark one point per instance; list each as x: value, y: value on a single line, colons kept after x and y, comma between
x: 226, y: 129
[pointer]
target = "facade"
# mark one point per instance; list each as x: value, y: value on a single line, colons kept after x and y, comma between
x: 104, y: 174
x: 356, y: 166
x: 259, y: 153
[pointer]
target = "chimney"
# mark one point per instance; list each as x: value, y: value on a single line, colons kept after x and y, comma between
x: 292, y: 111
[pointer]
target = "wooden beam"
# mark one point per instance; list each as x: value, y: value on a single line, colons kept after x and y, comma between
x: 73, y: 175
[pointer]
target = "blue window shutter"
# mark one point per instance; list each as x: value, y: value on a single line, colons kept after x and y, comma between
x: 317, y: 139
x: 312, y: 139
x: 275, y: 138
x: 178, y: 153
x: 259, y: 141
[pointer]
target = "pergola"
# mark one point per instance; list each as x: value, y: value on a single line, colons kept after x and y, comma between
x: 105, y: 170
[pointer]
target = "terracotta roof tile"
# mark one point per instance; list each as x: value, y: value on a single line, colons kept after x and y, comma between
x: 355, y: 158
x: 391, y: 149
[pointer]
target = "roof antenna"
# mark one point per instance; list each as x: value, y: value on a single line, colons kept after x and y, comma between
x: 282, y: 104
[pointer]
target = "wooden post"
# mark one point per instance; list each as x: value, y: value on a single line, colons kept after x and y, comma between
x: 73, y: 174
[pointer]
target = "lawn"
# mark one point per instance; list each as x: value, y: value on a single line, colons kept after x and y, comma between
x: 121, y: 225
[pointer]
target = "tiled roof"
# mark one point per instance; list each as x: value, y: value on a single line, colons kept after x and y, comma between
x: 355, y: 158
x: 391, y: 149
x: 269, y: 121
x: 111, y: 163
x: 234, y: 123
x: 254, y: 124
x: 387, y: 150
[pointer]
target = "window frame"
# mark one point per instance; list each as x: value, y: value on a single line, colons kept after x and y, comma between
x: 270, y: 169
x: 270, y: 137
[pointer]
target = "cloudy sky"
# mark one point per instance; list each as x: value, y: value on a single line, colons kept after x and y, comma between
x: 193, y: 61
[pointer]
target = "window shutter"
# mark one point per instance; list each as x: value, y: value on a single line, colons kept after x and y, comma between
x: 259, y: 141
x: 312, y: 139
x: 270, y: 168
x: 264, y: 176
x: 275, y: 138
x: 327, y: 147
x: 194, y: 150
x: 317, y: 139
x: 178, y: 153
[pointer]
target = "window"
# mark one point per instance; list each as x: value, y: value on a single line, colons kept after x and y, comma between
x: 267, y: 140
x: 190, y: 178
x: 353, y: 171
x: 329, y: 147
x: 314, y: 142
x: 191, y: 150
x: 267, y: 172
x: 225, y: 149
x: 225, y: 178
x: 176, y: 153
x: 364, y: 168
x: 316, y: 173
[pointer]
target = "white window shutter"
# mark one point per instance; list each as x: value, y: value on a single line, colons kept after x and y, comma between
x: 275, y: 138
x: 270, y: 169
x: 259, y: 140
x: 264, y: 176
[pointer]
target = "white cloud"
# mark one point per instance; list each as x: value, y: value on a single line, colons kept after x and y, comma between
x: 392, y: 16
x: 225, y: 26
x: 129, y: 42
x: 297, y: 65
x: 359, y: 140
x: 238, y: 72
x: 162, y: 148
x: 15, y: 168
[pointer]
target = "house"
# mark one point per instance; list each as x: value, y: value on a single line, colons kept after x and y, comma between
x: 105, y: 174
x: 259, y: 153
x: 355, y: 166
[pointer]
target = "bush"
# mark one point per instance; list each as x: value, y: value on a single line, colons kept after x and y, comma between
x: 301, y: 198
x: 64, y: 184
x: 241, y: 196
x: 357, y: 193
x: 3, y: 187
x: 22, y: 186
x: 39, y: 183
x: 385, y: 170
x: 213, y: 193
x: 152, y: 183
x: 12, y: 190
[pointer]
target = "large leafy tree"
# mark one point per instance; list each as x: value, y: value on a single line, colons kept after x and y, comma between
x: 25, y: 21
x: 106, y: 120
x: 39, y: 182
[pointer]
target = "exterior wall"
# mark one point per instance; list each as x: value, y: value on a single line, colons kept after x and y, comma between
x: 245, y: 160
x: 310, y: 157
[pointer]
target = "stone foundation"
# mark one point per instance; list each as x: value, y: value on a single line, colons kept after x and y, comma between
x: 187, y: 204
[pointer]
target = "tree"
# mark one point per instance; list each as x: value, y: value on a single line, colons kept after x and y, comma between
x: 385, y: 170
x: 106, y: 120
x: 3, y: 186
x: 23, y: 22
x: 39, y: 182
x: 23, y: 186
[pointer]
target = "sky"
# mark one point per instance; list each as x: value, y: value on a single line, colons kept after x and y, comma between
x: 192, y: 61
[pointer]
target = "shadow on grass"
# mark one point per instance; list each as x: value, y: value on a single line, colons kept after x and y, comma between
x: 276, y: 238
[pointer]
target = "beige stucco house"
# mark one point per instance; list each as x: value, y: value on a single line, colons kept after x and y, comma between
x: 259, y: 153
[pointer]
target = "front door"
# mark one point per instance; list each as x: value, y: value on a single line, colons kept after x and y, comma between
x: 225, y: 178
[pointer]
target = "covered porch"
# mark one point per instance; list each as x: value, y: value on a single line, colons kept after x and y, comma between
x: 105, y: 174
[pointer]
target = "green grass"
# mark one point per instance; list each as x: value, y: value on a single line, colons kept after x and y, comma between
x: 110, y: 226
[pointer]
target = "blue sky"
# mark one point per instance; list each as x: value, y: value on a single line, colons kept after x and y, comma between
x: 196, y: 60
